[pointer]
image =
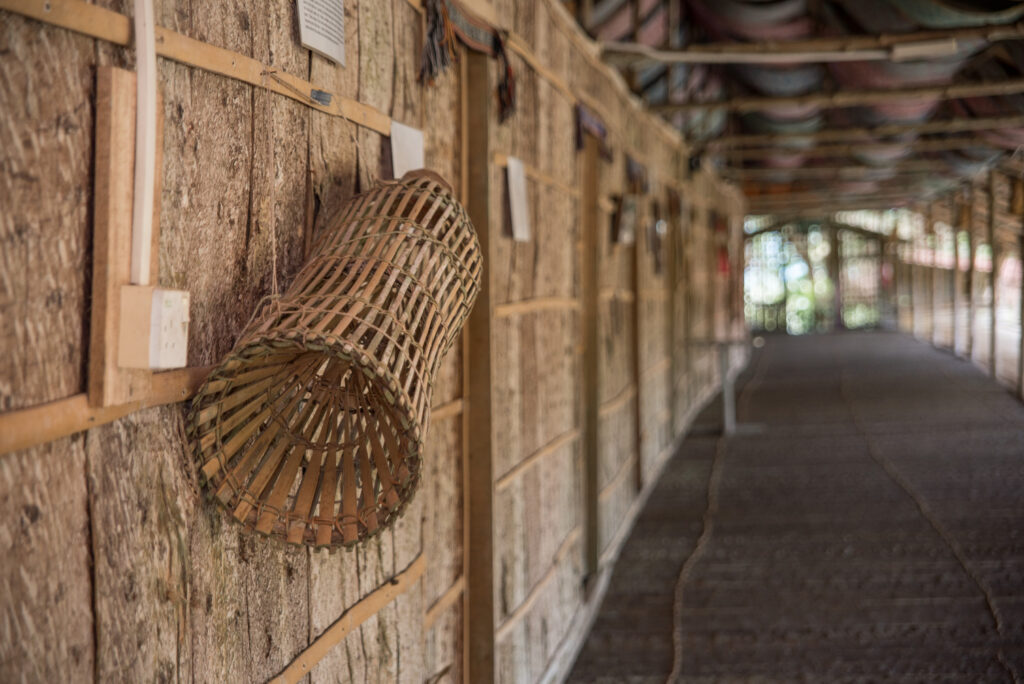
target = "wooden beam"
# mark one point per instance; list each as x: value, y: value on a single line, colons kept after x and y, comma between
x: 354, y: 616
x: 994, y: 250
x: 866, y: 133
x: 934, y: 239
x: 804, y: 200
x: 480, y: 348
x: 1020, y: 320
x: 850, y: 98
x: 108, y: 384
x: 635, y: 54
x: 969, y: 344
x: 590, y: 363
x: 920, y: 44
x: 954, y: 220
x: 45, y: 423
x: 850, y: 149
x: 848, y: 171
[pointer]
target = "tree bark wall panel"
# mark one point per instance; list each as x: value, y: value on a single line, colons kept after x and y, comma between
x: 543, y: 266
x: 615, y: 318
x: 46, y: 94
x: 535, y: 395
x: 524, y: 649
x: 535, y: 513
x: 614, y: 501
x: 442, y: 497
x: 616, y: 440
x: 46, y: 629
x: 138, y: 513
x: 442, y: 648
x: 681, y: 347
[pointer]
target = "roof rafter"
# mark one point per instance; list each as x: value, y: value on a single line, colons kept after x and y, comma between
x: 850, y: 98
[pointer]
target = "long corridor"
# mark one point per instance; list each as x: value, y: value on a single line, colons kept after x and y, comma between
x: 866, y: 525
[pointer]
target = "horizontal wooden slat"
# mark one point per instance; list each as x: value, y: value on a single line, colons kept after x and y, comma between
x: 527, y: 306
x: 450, y: 596
x: 350, y: 620
x: 449, y: 410
x: 524, y: 608
x: 29, y: 427
x: 92, y: 21
x: 618, y: 401
x: 625, y: 467
x: 549, y: 448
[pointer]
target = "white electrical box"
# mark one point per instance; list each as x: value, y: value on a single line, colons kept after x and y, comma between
x: 154, y: 328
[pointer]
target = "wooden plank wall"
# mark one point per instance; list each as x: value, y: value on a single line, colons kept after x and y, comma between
x: 538, y: 550
x: 133, y: 574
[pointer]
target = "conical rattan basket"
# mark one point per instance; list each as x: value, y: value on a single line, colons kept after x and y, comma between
x: 312, y: 429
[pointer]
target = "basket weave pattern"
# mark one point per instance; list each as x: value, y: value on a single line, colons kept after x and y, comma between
x: 312, y: 429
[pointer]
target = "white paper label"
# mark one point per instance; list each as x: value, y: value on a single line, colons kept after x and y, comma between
x: 406, y: 149
x: 519, y: 203
x: 322, y: 28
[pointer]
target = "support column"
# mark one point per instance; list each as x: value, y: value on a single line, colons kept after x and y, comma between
x: 479, y: 637
x: 1017, y: 209
x: 991, y: 236
x: 1020, y: 349
x: 835, y: 264
x: 589, y: 163
x: 933, y: 239
x: 955, y: 275
x: 969, y: 290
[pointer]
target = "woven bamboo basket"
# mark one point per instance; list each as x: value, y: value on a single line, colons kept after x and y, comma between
x: 312, y: 429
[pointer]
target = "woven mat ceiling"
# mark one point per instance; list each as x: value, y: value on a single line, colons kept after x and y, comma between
x: 857, y: 102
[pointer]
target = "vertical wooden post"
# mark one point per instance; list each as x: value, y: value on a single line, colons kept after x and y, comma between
x: 467, y: 484
x: 480, y: 349
x: 835, y: 267
x: 589, y: 164
x: 969, y: 285
x: 636, y: 324
x: 1017, y: 208
x: 909, y: 272
x: 933, y: 238
x: 688, y: 299
x: 954, y: 221
x: 1020, y: 342
x: 991, y: 237
x: 671, y: 265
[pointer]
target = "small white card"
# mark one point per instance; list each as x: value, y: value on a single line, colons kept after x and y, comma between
x: 519, y: 203
x: 322, y: 28
x: 625, y: 229
x: 406, y: 149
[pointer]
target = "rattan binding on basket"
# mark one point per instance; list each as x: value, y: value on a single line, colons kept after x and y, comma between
x: 312, y: 429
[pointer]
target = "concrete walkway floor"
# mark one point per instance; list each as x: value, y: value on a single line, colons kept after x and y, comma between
x: 873, y: 531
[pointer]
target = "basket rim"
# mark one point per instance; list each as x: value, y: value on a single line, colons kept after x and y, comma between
x: 364, y: 362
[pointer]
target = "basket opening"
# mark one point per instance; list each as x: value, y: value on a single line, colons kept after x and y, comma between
x: 305, y: 446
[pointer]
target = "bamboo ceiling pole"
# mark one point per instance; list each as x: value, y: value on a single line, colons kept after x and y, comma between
x: 954, y: 291
x: 857, y: 171
x: 850, y: 98
x: 993, y: 250
x: 848, y: 149
x: 969, y: 201
x: 859, y: 134
x: 844, y: 48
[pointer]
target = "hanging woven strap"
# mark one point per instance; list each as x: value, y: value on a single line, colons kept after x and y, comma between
x: 447, y: 21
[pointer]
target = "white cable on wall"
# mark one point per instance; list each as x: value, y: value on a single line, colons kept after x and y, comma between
x: 145, y: 142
